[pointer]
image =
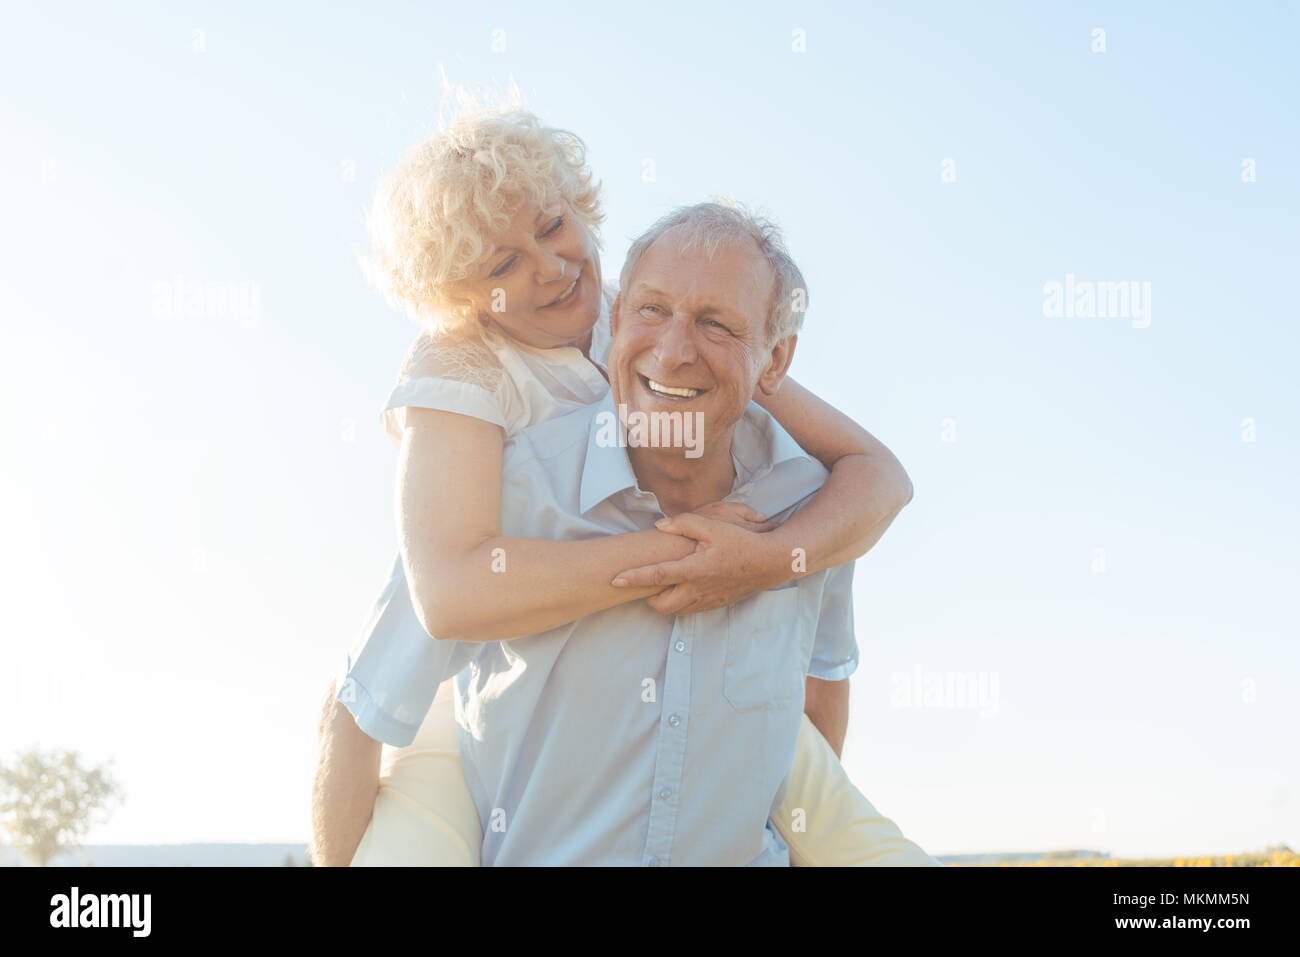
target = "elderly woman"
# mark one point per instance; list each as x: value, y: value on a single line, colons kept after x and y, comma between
x: 488, y: 235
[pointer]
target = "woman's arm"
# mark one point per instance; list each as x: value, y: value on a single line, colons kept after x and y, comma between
x: 865, y: 491
x: 449, y: 511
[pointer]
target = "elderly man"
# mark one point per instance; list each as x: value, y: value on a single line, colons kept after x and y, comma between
x: 628, y: 737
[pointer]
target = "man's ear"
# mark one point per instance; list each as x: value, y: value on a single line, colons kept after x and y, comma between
x: 778, y: 364
x: 613, y: 315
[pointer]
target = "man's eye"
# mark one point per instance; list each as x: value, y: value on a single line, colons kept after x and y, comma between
x: 650, y: 308
x: 714, y: 322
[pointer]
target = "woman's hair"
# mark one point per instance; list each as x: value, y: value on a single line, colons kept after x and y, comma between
x: 433, y: 213
x: 707, y: 226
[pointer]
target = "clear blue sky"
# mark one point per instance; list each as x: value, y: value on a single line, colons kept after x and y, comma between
x: 197, y: 504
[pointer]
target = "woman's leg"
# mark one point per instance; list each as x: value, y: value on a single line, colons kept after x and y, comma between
x: 424, y: 815
x: 827, y: 822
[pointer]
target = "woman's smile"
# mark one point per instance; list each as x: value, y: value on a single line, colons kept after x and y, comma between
x: 568, y: 297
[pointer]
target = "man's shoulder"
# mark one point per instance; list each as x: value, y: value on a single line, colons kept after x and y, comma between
x: 553, y: 438
x: 766, y: 442
x: 779, y: 476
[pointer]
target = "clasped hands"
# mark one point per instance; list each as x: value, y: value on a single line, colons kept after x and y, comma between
x: 733, y: 559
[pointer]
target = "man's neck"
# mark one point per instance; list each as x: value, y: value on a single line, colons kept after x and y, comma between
x: 681, y: 484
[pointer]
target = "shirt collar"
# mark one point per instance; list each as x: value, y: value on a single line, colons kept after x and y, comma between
x: 606, y: 470
x: 758, y: 446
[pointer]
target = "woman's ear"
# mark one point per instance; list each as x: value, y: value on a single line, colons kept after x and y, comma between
x: 778, y: 364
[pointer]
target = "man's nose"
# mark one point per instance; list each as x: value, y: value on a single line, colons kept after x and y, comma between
x: 676, y: 346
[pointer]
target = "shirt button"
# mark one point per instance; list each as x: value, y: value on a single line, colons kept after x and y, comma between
x: 680, y: 646
x: 674, y: 720
x: 653, y: 862
x: 665, y: 793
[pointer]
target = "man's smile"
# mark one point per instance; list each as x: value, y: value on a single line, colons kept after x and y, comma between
x: 671, y: 392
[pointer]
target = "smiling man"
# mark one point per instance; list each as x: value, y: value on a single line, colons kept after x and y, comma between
x: 699, y: 338
x: 630, y: 737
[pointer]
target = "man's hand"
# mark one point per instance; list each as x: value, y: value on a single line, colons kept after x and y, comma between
x: 731, y: 561
x: 343, y: 793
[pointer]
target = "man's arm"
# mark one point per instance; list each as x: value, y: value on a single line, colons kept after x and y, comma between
x: 827, y: 705
x: 347, y: 780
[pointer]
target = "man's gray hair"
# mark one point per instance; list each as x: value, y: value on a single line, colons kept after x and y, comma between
x: 708, y: 226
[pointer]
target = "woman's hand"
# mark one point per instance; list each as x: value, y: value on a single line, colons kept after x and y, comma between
x: 731, y: 561
x: 733, y: 513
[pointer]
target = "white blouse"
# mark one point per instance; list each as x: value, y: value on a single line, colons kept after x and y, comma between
x: 392, y: 674
x: 499, y: 379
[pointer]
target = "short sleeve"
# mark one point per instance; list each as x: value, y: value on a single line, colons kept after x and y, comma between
x: 835, y: 649
x: 394, y: 672
x: 449, y: 375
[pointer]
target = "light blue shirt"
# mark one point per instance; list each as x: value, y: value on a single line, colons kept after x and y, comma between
x: 627, y: 737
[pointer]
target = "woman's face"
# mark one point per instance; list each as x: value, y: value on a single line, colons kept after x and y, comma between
x: 542, y: 283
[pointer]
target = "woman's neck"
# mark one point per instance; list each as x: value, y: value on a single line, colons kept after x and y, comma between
x: 583, y: 344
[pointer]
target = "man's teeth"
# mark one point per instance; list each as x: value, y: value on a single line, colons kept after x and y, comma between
x: 669, y: 390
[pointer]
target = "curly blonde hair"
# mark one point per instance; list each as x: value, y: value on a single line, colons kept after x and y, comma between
x: 432, y: 215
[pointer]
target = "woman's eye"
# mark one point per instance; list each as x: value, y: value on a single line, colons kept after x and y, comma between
x: 555, y: 228
x: 503, y: 268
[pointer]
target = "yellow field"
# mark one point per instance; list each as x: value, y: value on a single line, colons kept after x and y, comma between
x: 1281, y: 857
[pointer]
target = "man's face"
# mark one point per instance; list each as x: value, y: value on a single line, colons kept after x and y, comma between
x: 690, y: 335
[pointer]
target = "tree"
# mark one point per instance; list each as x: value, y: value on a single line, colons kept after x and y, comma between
x: 49, y: 800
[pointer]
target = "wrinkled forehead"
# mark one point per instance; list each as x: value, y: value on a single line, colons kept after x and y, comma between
x: 732, y: 275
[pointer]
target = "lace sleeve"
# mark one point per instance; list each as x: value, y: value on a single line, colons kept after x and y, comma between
x: 460, y: 360
x: 450, y: 375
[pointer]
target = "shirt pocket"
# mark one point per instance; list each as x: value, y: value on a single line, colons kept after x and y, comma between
x: 768, y: 643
